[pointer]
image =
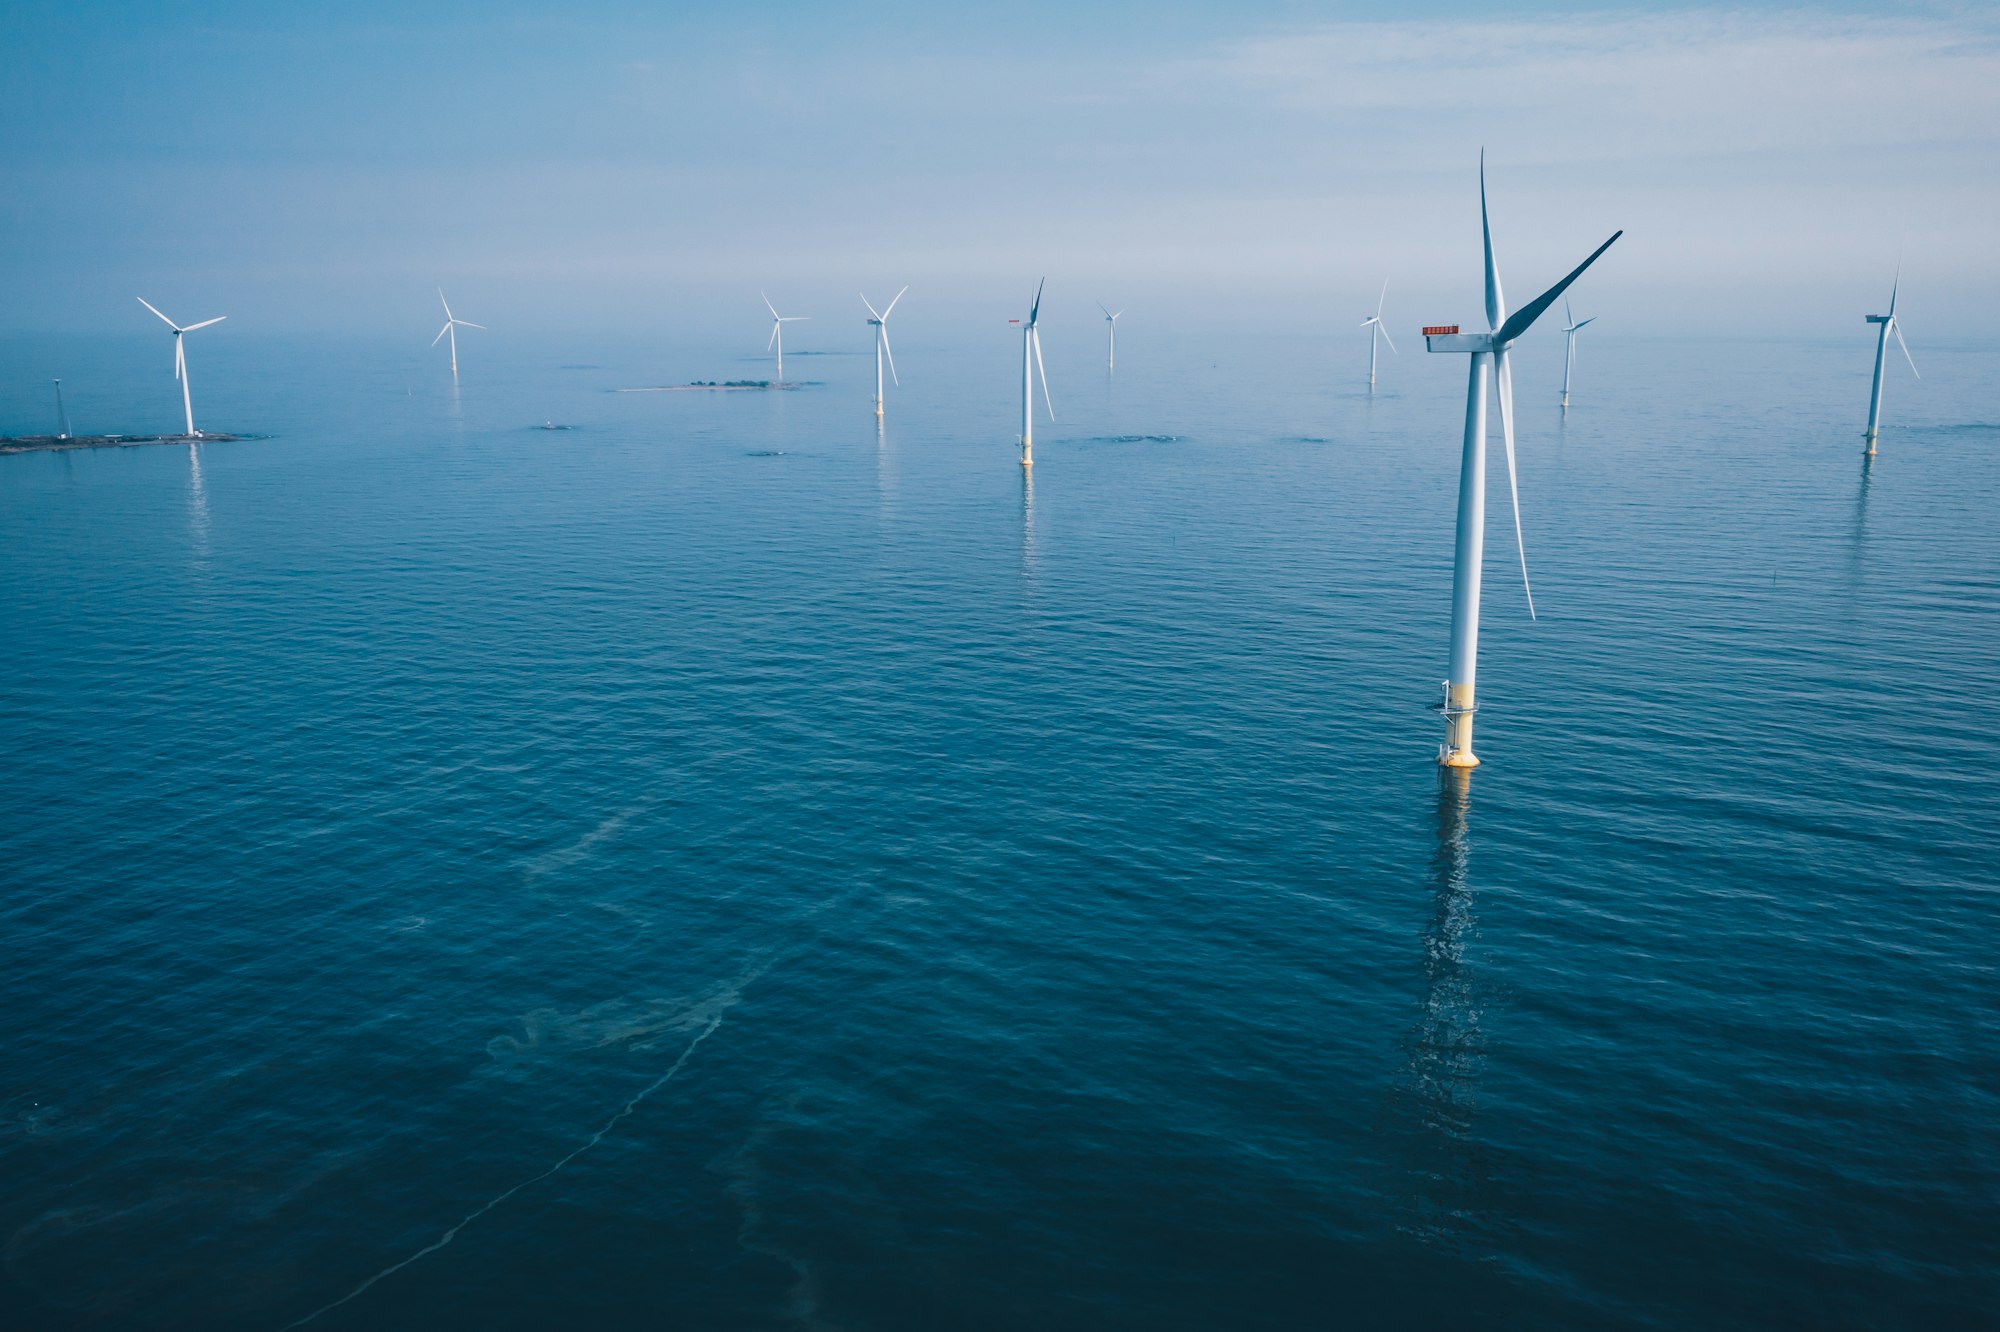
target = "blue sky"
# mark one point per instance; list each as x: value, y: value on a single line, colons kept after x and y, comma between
x: 620, y: 166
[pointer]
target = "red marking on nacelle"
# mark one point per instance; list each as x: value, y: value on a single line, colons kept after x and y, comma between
x: 1434, y: 330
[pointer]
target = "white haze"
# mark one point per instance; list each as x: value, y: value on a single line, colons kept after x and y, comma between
x: 1770, y: 169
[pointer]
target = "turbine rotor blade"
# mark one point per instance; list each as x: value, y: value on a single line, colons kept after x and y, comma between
x: 889, y: 351
x: 1573, y: 327
x: 1496, y: 304
x: 1035, y: 310
x: 768, y: 306
x: 1383, y: 297
x: 871, y: 309
x: 445, y: 303
x: 1504, y: 377
x: 180, y: 359
x: 1897, y: 329
x: 467, y: 323
x: 204, y: 323
x: 774, y: 335
x: 1518, y: 323
x: 1386, y: 338
x: 892, y: 304
x: 163, y: 319
x: 441, y: 332
x: 1036, y: 338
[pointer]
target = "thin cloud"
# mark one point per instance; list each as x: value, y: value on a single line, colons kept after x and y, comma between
x: 1693, y: 81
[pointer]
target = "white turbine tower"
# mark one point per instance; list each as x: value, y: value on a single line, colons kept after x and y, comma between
x: 1889, y: 325
x: 1569, y: 347
x: 880, y: 321
x: 180, y: 359
x: 1112, y: 320
x: 451, y: 326
x: 1031, y: 347
x: 1374, y: 325
x: 1488, y: 349
x: 778, y: 323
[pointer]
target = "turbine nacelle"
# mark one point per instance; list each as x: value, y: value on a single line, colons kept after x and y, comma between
x: 1455, y: 341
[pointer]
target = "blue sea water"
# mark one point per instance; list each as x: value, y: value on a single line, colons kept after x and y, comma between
x: 723, y: 866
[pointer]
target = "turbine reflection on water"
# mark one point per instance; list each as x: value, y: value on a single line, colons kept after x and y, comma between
x: 1861, y: 501
x: 1857, y: 545
x: 885, y: 477
x: 1029, y: 554
x: 1446, y: 1048
x: 197, y: 507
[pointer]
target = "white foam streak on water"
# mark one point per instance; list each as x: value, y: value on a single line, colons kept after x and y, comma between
x: 594, y: 1139
x: 567, y: 855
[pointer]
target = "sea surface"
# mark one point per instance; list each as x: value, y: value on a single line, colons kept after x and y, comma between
x: 726, y: 866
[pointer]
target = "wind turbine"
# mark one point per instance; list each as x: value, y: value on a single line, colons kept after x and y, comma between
x: 180, y: 358
x: 1375, y: 325
x: 1031, y: 345
x: 1488, y: 350
x: 1111, y: 319
x: 880, y: 320
x: 62, y: 412
x: 451, y: 326
x: 1889, y: 325
x: 778, y: 323
x: 1569, y: 348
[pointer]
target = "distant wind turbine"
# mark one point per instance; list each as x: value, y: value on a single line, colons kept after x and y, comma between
x: 778, y: 323
x: 62, y: 412
x: 1569, y: 347
x: 1488, y: 349
x: 180, y: 358
x: 1031, y: 346
x: 1374, y: 325
x: 450, y: 330
x: 880, y: 321
x: 1112, y: 320
x: 1889, y: 325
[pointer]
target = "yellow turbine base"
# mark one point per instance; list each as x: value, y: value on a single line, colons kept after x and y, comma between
x: 1456, y: 751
